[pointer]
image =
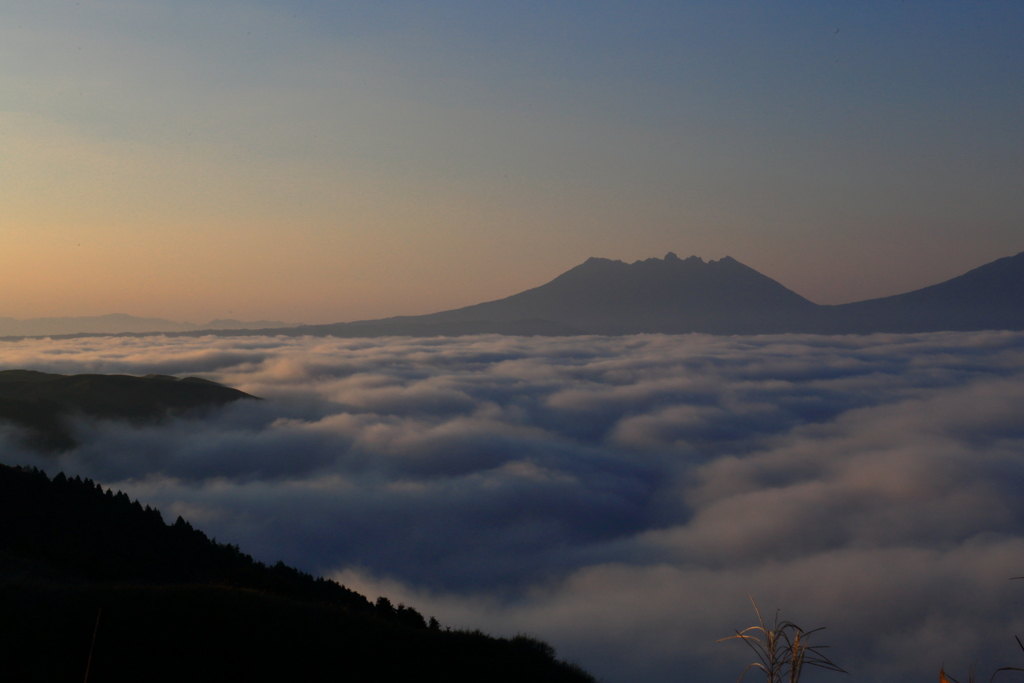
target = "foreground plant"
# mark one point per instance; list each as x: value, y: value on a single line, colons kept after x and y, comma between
x: 782, y: 650
x: 1011, y: 668
x: 946, y: 678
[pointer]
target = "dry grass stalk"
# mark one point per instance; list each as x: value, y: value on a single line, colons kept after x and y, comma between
x: 782, y: 650
x: 1010, y: 668
x: 946, y: 678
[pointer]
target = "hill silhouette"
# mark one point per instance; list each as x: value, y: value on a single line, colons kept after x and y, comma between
x: 675, y: 296
x: 41, y: 403
x: 177, y: 605
x: 990, y: 297
x: 668, y: 295
x: 602, y: 296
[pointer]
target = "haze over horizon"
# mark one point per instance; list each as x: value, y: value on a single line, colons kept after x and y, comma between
x: 325, y: 162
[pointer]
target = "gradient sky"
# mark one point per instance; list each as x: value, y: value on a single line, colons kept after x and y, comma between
x: 328, y: 161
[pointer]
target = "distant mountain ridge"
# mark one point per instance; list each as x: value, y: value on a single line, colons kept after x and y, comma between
x: 677, y: 296
x: 117, y: 323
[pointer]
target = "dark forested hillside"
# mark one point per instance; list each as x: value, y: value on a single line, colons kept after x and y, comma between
x: 171, y: 604
x: 91, y: 534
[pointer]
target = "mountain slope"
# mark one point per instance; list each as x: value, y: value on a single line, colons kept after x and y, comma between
x: 166, y: 603
x: 990, y: 297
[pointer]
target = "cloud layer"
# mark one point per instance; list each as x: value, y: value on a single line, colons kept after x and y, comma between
x: 620, y: 497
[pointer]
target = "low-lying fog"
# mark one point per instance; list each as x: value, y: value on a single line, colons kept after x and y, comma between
x: 620, y: 497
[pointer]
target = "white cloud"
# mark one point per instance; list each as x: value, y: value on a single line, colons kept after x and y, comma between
x: 619, y: 496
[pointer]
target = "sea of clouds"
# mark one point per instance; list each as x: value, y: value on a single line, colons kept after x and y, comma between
x: 620, y: 497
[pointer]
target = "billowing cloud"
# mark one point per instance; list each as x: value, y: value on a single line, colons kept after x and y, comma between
x: 620, y: 497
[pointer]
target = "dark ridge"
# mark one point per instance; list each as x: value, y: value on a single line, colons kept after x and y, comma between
x: 177, y: 605
x: 78, y: 528
x: 40, y: 402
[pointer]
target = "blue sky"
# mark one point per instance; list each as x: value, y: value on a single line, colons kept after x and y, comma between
x: 333, y: 161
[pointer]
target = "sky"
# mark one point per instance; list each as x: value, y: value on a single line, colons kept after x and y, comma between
x: 330, y: 161
x: 620, y: 497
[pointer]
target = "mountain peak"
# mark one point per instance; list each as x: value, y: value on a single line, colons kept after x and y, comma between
x: 671, y: 259
x: 602, y: 296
